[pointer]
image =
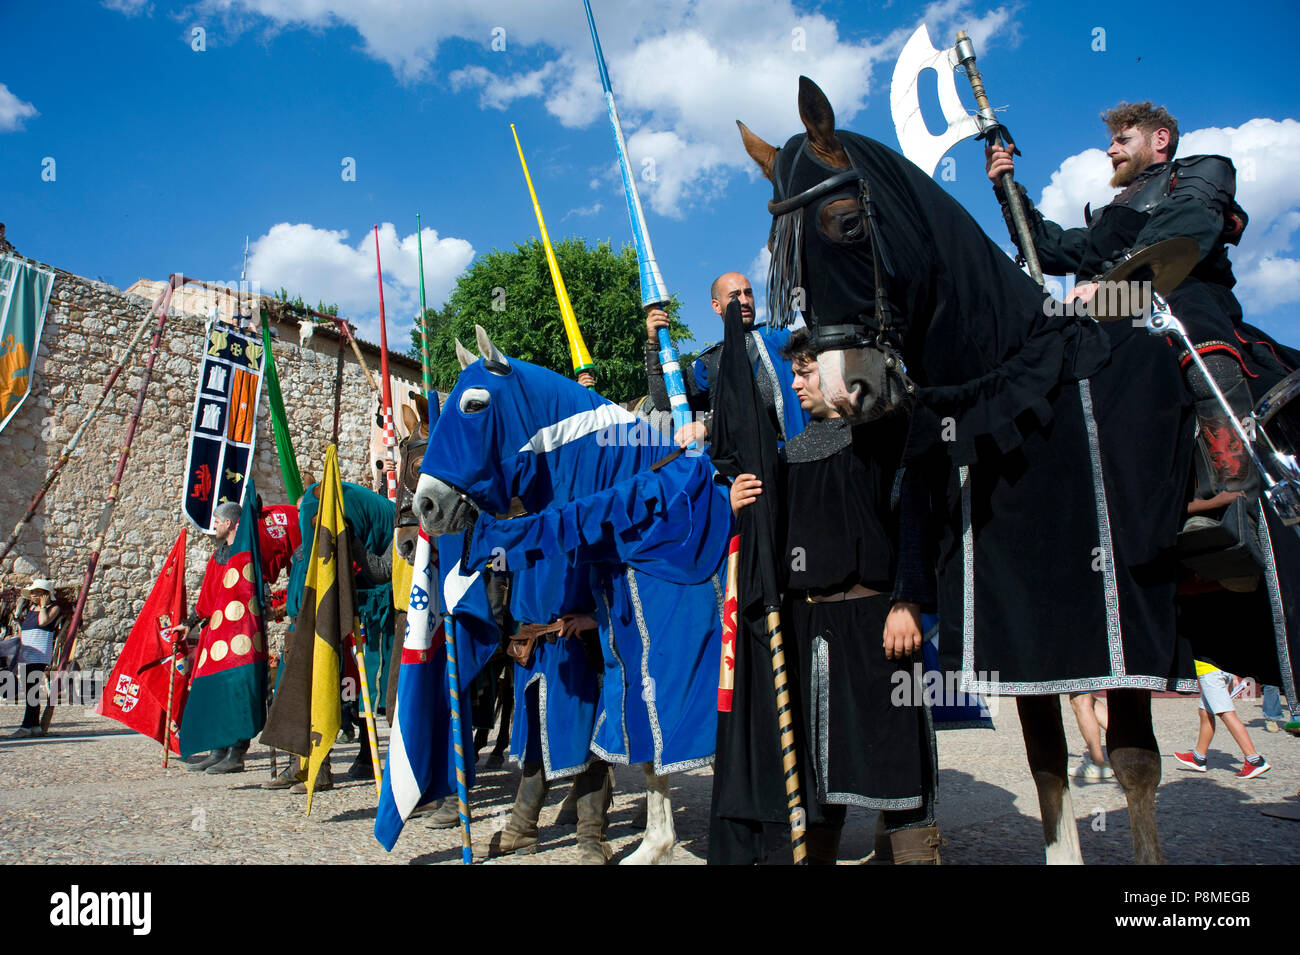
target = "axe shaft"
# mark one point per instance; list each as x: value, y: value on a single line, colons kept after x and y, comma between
x: 966, y: 55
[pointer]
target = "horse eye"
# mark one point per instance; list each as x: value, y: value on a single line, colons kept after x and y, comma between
x: 474, y: 400
x: 841, y: 221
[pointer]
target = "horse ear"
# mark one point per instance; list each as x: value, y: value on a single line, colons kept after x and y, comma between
x: 421, y: 406
x: 819, y: 119
x: 489, y: 351
x: 761, y: 151
x: 464, y: 355
x: 411, y: 419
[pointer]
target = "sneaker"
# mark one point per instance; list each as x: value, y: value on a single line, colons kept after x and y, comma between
x: 22, y: 732
x: 1191, y: 761
x: 1272, y: 726
x: 1250, y: 770
x: 1293, y: 727
x: 1090, y: 770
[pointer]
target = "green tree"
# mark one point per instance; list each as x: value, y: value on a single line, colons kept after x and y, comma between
x: 511, y: 295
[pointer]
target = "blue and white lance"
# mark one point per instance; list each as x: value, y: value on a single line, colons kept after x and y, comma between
x: 652, y: 283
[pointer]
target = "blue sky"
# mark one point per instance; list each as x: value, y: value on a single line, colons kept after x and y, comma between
x: 165, y: 156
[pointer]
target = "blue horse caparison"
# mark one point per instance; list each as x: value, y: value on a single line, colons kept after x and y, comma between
x: 651, y: 542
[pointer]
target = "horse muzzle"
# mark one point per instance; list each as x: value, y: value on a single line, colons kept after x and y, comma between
x: 863, y: 384
x: 441, y: 508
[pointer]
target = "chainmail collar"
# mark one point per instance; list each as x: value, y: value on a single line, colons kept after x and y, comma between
x: 819, y: 440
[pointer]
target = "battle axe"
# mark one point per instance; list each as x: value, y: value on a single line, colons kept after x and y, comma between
x: 925, y: 148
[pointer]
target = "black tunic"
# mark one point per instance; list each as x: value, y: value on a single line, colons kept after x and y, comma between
x: 855, y: 746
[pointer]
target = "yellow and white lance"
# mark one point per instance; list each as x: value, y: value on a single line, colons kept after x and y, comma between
x: 577, y: 347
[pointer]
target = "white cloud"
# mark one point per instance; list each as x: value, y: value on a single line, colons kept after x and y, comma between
x: 758, y: 278
x: 320, y: 264
x: 129, y: 7
x: 1081, y: 179
x: 1266, y: 153
x: 13, y: 111
x: 682, y: 71
x: 583, y: 211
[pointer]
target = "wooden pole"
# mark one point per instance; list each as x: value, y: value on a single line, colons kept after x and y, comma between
x: 358, y: 650
x: 785, y: 725
x: 458, y: 740
x: 966, y: 55
x: 390, y: 436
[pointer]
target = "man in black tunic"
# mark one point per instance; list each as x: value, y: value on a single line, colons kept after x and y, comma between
x: 1163, y: 198
x: 864, y: 733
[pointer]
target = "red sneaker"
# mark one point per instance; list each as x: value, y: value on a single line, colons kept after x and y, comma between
x: 1250, y: 770
x: 1191, y: 761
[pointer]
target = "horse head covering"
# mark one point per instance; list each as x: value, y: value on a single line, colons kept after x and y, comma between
x: 908, y: 302
x: 825, y: 238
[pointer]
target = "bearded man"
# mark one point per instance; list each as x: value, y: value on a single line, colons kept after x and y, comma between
x: 1161, y: 198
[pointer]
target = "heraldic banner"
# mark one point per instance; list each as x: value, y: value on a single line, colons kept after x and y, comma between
x: 142, y: 684
x: 225, y: 423
x: 24, y: 297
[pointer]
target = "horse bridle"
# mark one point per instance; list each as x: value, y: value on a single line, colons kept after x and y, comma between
x: 860, y: 333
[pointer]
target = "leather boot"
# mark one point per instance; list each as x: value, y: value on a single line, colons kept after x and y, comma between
x: 916, y: 846
x: 447, y: 815
x: 568, y: 816
x: 594, y: 789
x: 214, y: 757
x: 295, y: 772
x: 1226, y: 459
x: 520, y: 833
x: 324, y: 780
x: 363, y: 766
x: 233, y: 761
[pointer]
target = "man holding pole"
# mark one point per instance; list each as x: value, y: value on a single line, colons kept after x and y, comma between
x: 1163, y: 198
x: 775, y: 380
x: 227, y: 701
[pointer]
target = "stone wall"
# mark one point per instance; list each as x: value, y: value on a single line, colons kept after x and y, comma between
x: 87, y: 327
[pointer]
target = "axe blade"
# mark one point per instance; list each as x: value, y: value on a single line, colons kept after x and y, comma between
x: 917, y: 142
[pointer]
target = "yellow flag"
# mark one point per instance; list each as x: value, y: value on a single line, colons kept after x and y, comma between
x: 329, y: 590
x: 577, y: 346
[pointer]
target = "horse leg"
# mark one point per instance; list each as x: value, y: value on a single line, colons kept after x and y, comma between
x: 657, y: 844
x: 1040, y: 719
x: 506, y: 694
x: 1135, y: 757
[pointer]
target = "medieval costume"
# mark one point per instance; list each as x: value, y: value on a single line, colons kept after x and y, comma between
x: 1194, y: 197
x: 771, y: 374
x: 227, y: 699
x: 864, y: 733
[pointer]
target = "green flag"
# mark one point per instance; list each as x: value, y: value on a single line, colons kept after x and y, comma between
x: 24, y: 297
x: 279, y: 424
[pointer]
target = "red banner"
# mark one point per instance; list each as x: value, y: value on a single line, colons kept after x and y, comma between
x: 137, y: 690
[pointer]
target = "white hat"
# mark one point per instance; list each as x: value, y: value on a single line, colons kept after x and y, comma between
x: 40, y: 583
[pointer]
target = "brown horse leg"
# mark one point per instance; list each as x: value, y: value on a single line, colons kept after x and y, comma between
x: 1135, y: 758
x: 1040, y: 720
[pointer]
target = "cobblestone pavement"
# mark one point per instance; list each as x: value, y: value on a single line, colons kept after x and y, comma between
x: 94, y: 792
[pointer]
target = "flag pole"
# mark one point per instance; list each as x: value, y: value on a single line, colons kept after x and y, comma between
x: 577, y: 346
x: 457, y: 739
x: 653, y: 292
x: 68, y: 644
x: 358, y: 650
x: 425, y: 368
x: 171, y: 631
x: 390, y: 437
